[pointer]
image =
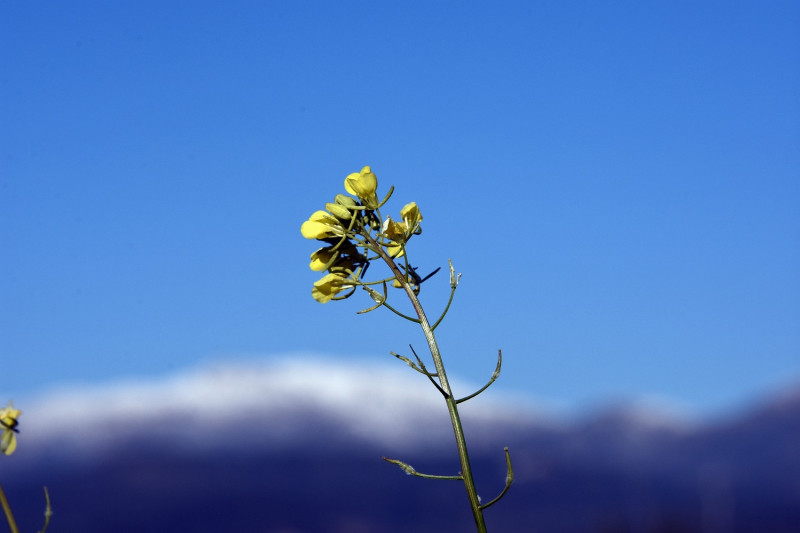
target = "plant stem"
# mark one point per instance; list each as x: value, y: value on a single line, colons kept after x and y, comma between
x: 452, y: 408
x: 7, y: 510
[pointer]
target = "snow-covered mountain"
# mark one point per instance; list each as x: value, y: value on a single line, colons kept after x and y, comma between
x: 296, y: 445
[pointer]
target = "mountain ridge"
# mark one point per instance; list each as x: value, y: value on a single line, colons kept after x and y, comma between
x: 199, y: 456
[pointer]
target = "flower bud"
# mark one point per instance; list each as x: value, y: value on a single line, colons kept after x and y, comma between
x: 339, y: 211
x: 347, y: 201
x: 377, y: 297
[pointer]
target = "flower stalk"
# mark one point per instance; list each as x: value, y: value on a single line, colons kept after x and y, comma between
x: 356, y: 234
x: 12, y: 524
x: 444, y: 384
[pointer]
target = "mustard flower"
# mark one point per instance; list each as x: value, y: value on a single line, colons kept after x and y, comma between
x: 395, y: 232
x: 395, y: 250
x: 344, y: 257
x: 411, y: 217
x: 8, y: 423
x: 321, y: 258
x: 348, y: 261
x: 329, y: 286
x: 363, y: 184
x: 322, y: 225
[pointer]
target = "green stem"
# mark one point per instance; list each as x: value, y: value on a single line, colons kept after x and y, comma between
x: 7, y: 510
x: 48, y: 511
x: 452, y: 408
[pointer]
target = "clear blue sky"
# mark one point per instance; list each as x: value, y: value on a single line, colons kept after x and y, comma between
x: 619, y: 183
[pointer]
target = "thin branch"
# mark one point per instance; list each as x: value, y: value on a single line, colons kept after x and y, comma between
x: 410, y: 363
x: 495, y: 375
x: 7, y: 510
x: 453, y: 284
x: 509, y: 480
x: 421, y: 363
x: 408, y: 469
x: 48, y: 511
x: 398, y: 313
x: 381, y: 301
x: 344, y: 297
x: 447, y: 307
x: 388, y: 195
x: 429, y: 374
x: 376, y: 297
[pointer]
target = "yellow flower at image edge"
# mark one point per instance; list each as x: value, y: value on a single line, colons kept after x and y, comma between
x: 329, y: 286
x: 8, y: 423
x: 363, y: 184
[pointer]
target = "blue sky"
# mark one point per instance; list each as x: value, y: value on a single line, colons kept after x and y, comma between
x: 618, y: 183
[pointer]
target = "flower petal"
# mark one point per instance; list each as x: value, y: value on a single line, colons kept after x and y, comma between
x: 321, y: 225
x: 329, y: 286
x: 320, y: 259
x: 411, y: 216
x: 8, y: 423
x: 8, y: 442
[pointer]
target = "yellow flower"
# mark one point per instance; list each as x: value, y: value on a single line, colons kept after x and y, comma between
x: 344, y: 258
x: 329, y: 286
x: 411, y: 216
x: 363, y: 184
x: 8, y: 422
x: 395, y: 250
x: 396, y: 232
x: 321, y: 225
x: 321, y: 258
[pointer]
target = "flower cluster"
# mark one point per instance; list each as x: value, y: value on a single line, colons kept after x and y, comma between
x: 8, y: 424
x: 351, y: 227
